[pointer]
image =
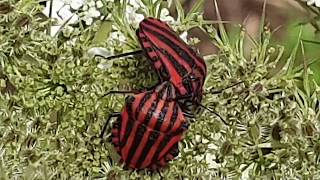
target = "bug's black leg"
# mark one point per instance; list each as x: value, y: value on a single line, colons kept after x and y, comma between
x: 214, y: 112
x: 123, y: 92
x: 161, y: 177
x: 115, y: 114
x: 138, y: 52
x: 130, y: 91
x: 219, y: 91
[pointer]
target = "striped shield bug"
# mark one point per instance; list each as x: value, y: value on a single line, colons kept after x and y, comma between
x: 147, y: 131
x: 174, y: 61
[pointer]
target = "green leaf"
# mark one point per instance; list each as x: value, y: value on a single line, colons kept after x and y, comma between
x: 103, y: 32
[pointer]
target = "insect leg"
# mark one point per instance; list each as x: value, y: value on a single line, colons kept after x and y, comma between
x: 115, y: 114
x: 138, y: 52
x: 214, y: 112
x: 130, y: 91
x: 123, y: 92
x: 219, y: 91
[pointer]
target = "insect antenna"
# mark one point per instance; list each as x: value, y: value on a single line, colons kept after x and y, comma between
x: 137, y: 52
x: 220, y: 90
x: 214, y: 112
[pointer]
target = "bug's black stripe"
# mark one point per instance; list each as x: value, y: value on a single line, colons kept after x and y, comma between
x: 173, y: 118
x: 129, y: 126
x: 151, y: 111
x: 137, y: 140
x: 139, y: 135
x: 167, y: 137
x: 162, y: 72
x: 146, y: 150
x: 179, y: 68
x: 174, y: 151
x: 168, y: 31
x: 142, y: 103
x: 161, y: 116
x: 169, y: 92
x: 162, y: 91
x: 176, y: 47
x: 164, y: 142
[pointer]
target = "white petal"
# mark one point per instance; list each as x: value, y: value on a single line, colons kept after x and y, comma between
x: 76, y: 4
x: 65, y: 12
x: 100, y: 51
x: 91, y: 3
x: 93, y: 12
x: 85, y: 7
x: 184, y: 36
x: 164, y: 12
x: 104, y: 66
x: 136, y: 4
x: 88, y: 21
x: 74, y: 19
x: 99, y: 4
x: 310, y: 2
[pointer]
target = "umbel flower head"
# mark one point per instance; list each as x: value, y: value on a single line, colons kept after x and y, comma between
x: 312, y: 2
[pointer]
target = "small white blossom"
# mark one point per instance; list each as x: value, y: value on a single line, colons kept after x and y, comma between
x: 99, y: 4
x: 118, y: 35
x: 133, y: 17
x: 65, y: 13
x: 91, y: 3
x: 136, y: 4
x: 98, y: 51
x: 93, y: 12
x: 103, y: 52
x: 312, y: 2
x: 76, y: 4
x: 85, y: 8
x: 88, y: 20
x: 164, y: 16
x: 184, y: 36
x: 67, y: 31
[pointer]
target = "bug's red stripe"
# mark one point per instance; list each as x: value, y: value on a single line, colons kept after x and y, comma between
x: 170, y: 38
x: 151, y: 125
x: 156, y: 137
x: 155, y: 37
x: 137, y: 109
x: 144, y: 115
x: 180, y: 120
x: 167, y: 119
x: 125, y: 149
x: 175, y: 77
x: 138, y: 98
x: 173, y: 140
x: 148, y: 48
x: 124, y: 122
x: 173, y: 35
x: 147, y: 159
x: 151, y: 156
x: 144, y: 102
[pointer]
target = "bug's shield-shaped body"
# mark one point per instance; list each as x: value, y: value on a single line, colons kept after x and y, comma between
x: 173, y: 59
x: 149, y: 129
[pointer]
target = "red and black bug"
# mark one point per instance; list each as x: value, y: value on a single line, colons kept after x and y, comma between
x: 147, y: 131
x: 172, y: 58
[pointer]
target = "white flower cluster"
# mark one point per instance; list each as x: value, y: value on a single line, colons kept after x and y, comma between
x: 312, y: 2
x: 63, y: 10
x: 134, y: 17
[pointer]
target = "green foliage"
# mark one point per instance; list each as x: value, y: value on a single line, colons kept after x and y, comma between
x: 52, y: 107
